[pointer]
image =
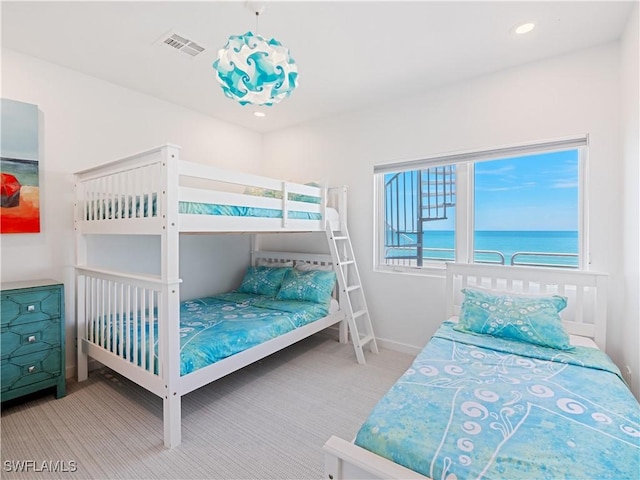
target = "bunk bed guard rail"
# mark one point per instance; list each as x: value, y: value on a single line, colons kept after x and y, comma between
x: 122, y: 315
x: 147, y: 192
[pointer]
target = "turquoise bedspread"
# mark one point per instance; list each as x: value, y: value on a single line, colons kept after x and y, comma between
x: 475, y: 406
x: 214, y: 328
x: 135, y: 208
x: 236, y: 211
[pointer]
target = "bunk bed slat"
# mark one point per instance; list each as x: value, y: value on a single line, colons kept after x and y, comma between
x: 151, y: 296
x: 143, y: 328
x: 136, y: 326
x: 109, y: 317
x: 579, y: 313
x: 128, y: 323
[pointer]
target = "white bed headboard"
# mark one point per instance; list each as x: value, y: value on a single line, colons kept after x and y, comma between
x: 586, y: 312
x: 282, y: 257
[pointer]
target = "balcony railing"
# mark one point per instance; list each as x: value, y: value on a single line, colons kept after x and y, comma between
x: 406, y: 256
x: 541, y: 259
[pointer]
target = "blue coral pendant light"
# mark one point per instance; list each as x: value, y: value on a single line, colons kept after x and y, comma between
x: 255, y: 71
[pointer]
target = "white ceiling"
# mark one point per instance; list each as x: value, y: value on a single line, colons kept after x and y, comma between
x: 349, y: 54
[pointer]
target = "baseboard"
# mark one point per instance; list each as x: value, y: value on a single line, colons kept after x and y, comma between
x: 391, y: 344
x: 72, y: 371
x: 398, y: 346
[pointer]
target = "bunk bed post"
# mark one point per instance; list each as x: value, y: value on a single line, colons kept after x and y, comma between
x: 256, y: 246
x: 600, y: 320
x: 449, y: 294
x: 342, y: 204
x: 169, y: 314
x: 285, y: 204
x: 82, y: 360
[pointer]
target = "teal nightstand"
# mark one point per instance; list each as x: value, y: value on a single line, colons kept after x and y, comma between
x: 32, y: 337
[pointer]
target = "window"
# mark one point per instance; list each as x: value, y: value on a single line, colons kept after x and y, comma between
x: 520, y: 205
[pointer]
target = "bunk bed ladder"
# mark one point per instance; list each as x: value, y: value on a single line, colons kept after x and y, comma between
x: 351, y: 293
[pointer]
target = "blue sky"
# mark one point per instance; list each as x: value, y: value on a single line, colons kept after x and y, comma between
x: 534, y: 192
x: 19, y: 122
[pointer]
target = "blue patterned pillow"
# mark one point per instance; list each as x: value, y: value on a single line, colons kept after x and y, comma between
x: 530, y: 319
x: 310, y: 286
x: 263, y: 280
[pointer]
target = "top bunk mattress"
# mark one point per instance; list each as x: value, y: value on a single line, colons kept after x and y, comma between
x: 144, y: 208
x: 477, y: 406
x: 195, y: 208
x: 214, y: 328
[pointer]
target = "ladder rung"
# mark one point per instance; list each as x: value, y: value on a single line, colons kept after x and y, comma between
x: 359, y: 313
x: 352, y: 288
x: 366, y: 339
x: 347, y: 262
x: 340, y: 238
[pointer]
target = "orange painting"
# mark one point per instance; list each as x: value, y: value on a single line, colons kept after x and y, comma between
x: 25, y: 217
x: 20, y: 185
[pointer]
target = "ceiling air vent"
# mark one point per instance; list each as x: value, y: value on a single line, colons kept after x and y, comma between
x: 178, y: 42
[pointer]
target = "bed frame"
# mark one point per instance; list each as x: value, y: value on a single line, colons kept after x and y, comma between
x: 585, y: 317
x: 157, y: 180
x: 140, y: 195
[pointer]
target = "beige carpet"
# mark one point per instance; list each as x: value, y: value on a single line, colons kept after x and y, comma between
x: 267, y: 421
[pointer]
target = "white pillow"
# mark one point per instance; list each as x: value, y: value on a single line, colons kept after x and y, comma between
x: 306, y: 266
x: 264, y: 262
x: 578, y: 341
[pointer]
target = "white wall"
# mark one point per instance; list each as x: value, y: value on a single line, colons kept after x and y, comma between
x: 631, y: 221
x: 563, y: 96
x: 85, y: 121
x: 209, y: 264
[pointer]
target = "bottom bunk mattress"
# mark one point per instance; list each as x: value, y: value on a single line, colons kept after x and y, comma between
x: 214, y: 328
x: 477, y: 406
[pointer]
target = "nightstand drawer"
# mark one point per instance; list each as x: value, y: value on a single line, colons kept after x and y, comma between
x: 31, y: 306
x: 27, y: 338
x: 29, y: 369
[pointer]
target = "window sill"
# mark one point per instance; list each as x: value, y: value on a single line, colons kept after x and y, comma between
x: 436, y: 271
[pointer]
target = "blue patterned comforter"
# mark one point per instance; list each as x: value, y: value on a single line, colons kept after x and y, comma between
x: 214, y: 328
x: 237, y: 211
x: 135, y: 208
x: 475, y: 406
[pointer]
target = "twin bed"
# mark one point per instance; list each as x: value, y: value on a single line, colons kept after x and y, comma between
x: 136, y: 324
x: 501, y: 391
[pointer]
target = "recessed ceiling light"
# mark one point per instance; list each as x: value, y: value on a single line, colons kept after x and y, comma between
x: 260, y: 114
x: 524, y: 28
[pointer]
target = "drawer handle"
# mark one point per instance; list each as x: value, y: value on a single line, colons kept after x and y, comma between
x: 31, y: 338
x: 31, y: 369
x: 31, y: 308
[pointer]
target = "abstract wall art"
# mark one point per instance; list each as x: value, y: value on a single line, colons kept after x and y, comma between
x: 20, y: 183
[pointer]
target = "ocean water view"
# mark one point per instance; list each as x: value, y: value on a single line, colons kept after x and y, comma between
x: 439, y: 245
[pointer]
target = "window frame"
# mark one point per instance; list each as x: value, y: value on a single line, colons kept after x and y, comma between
x: 465, y: 209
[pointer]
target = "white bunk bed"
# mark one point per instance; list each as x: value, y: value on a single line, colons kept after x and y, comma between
x: 153, y: 193
x: 584, y: 319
